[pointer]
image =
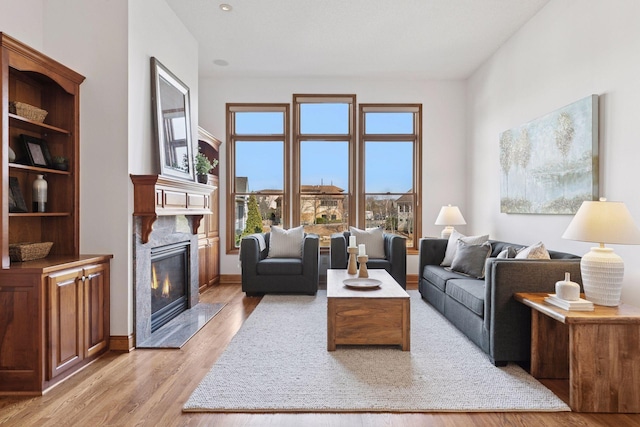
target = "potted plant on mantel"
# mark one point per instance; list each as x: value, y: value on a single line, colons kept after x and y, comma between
x: 202, y: 166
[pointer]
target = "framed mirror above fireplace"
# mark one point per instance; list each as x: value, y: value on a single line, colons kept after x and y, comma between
x: 172, y: 122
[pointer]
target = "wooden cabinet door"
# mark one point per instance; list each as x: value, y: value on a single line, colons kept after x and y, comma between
x: 213, y: 225
x: 65, y: 321
x: 96, y: 309
x: 214, y: 261
x: 21, y: 334
x: 203, y: 263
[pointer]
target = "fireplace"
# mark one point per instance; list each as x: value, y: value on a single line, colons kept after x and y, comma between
x: 169, y: 279
x: 167, y: 212
x: 173, y: 250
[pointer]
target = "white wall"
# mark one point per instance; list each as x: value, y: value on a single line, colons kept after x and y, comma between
x: 569, y: 50
x: 13, y: 18
x: 443, y: 132
x: 154, y: 30
x: 87, y: 42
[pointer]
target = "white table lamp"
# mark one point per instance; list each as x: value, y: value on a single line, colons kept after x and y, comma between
x: 449, y: 216
x: 602, y: 269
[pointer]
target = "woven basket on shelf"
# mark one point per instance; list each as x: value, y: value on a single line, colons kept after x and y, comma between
x: 27, y: 111
x: 19, y: 252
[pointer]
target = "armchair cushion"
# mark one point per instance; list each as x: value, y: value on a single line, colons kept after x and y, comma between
x: 280, y: 266
x: 286, y: 243
x: 372, y: 239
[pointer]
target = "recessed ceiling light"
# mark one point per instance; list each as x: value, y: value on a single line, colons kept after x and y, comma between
x: 226, y: 7
x: 220, y: 62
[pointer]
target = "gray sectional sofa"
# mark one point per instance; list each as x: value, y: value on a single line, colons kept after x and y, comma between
x: 484, y: 309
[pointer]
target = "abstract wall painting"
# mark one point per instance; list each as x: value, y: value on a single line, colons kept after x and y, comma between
x: 550, y: 165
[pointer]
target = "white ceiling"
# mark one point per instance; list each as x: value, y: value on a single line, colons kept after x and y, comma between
x: 426, y: 39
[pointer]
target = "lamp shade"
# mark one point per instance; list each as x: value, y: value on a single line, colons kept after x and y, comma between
x: 450, y: 215
x: 602, y: 269
x: 603, y: 222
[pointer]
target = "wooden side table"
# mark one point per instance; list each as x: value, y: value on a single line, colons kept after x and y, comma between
x: 598, y: 351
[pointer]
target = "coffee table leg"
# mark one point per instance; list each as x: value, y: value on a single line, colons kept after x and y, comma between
x: 331, y: 325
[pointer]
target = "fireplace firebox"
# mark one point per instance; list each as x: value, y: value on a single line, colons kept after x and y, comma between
x: 170, y: 279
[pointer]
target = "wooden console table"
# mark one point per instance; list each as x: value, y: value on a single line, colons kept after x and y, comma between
x: 598, y: 351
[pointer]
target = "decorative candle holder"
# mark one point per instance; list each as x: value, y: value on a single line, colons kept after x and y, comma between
x: 352, y: 267
x: 362, y: 272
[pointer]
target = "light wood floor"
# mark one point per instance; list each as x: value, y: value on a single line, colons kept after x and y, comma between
x: 149, y: 387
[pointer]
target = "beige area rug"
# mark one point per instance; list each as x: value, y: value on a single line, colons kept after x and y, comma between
x: 278, y: 362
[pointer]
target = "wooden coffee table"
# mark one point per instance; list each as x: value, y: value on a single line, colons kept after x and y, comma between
x: 379, y: 316
x: 598, y: 351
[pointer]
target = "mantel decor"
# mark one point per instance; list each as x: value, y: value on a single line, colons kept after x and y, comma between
x: 550, y: 165
x: 172, y: 120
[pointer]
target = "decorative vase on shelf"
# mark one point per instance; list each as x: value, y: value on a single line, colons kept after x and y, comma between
x: 39, y: 197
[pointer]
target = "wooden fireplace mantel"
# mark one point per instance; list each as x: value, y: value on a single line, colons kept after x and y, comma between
x: 159, y: 195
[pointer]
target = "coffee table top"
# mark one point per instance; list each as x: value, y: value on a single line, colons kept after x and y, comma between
x: 388, y: 289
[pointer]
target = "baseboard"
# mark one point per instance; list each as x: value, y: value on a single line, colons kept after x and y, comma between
x: 231, y: 279
x: 412, y: 281
x: 121, y: 343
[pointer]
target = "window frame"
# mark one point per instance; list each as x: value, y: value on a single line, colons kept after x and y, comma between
x: 232, y: 138
x: 415, y: 138
x: 299, y: 138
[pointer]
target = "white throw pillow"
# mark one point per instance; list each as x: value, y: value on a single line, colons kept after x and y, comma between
x: 286, y: 243
x: 452, y: 245
x: 537, y: 251
x: 372, y: 240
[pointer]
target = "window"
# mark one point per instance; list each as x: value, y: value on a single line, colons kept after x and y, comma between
x: 323, y: 156
x: 257, y: 169
x: 390, y: 168
x: 327, y: 179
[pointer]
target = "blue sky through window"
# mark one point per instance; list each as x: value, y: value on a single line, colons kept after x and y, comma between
x: 389, y: 164
x: 325, y: 162
x: 388, y: 167
x: 262, y: 163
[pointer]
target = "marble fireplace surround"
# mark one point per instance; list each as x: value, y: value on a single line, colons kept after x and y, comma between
x: 166, y: 230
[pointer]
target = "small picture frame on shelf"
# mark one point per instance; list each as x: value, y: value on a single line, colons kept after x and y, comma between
x: 37, y: 151
x: 16, y: 201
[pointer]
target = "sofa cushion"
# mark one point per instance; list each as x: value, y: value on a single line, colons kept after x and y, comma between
x: 452, y: 246
x: 438, y: 276
x: 537, y: 251
x: 470, y: 259
x: 468, y: 292
x: 280, y: 266
x: 286, y: 243
x: 372, y: 240
x: 378, y: 263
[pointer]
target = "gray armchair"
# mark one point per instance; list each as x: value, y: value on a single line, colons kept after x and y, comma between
x: 395, y: 250
x: 262, y: 275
